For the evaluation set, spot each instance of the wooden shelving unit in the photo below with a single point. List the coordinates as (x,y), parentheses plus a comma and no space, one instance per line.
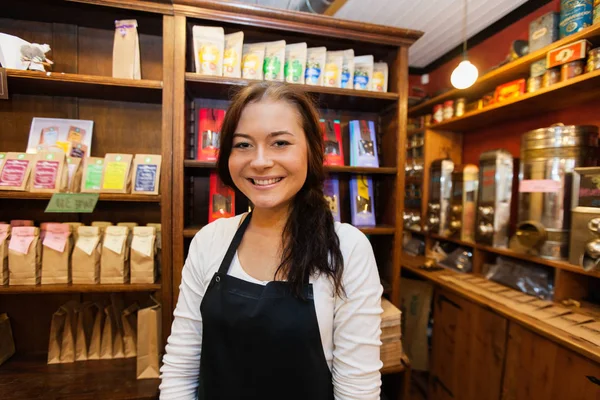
(141,198)
(190,232)
(70,288)
(332,169)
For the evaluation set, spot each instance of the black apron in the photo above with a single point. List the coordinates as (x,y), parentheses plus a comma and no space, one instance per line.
(260,342)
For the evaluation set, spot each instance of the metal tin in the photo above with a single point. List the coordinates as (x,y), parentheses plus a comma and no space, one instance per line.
(448,109)
(463,201)
(440,188)
(584,245)
(548,158)
(575,15)
(543,31)
(571,70)
(537,68)
(593,62)
(551,77)
(438,113)
(460,107)
(534,84)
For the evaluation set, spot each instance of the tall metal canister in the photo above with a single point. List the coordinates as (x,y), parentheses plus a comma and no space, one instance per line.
(440,190)
(548,158)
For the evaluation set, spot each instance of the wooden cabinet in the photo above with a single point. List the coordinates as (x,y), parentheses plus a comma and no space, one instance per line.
(537,368)
(468,350)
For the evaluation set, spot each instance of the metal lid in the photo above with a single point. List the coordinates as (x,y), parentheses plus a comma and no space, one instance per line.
(560,136)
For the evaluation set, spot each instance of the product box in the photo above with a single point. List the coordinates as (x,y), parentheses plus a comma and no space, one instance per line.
(221,199)
(363,144)
(117,173)
(565,54)
(208,132)
(510,90)
(537,68)
(91,179)
(332,135)
(60,134)
(49,174)
(146,173)
(543,31)
(331,190)
(362,205)
(15,171)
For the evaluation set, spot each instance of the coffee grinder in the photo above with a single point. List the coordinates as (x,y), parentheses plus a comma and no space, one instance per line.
(584,246)
(463,202)
(440,189)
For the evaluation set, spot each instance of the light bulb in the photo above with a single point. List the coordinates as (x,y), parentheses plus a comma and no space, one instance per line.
(464,75)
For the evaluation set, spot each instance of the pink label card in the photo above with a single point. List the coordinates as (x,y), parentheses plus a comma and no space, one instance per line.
(45,174)
(21,241)
(56,241)
(539,186)
(13,172)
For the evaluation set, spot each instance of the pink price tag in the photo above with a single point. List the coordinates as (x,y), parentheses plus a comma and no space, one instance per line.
(55,241)
(539,186)
(20,243)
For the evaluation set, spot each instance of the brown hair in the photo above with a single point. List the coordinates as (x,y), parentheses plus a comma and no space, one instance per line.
(310,242)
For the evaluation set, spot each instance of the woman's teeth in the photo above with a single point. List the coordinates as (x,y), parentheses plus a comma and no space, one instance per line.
(265,182)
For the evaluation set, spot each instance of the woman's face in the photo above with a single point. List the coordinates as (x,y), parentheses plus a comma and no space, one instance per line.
(269,158)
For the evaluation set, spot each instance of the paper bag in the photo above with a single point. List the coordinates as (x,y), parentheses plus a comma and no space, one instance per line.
(24,251)
(56,255)
(74,174)
(67,345)
(86,256)
(117,173)
(74,227)
(148,342)
(142,255)
(126,50)
(85,325)
(129,323)
(158,246)
(49,174)
(21,222)
(102,225)
(57,326)
(7,344)
(4,239)
(96,338)
(416,305)
(114,263)
(108,334)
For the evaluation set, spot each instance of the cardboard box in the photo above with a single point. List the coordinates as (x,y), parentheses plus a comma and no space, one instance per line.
(543,31)
(510,90)
(565,54)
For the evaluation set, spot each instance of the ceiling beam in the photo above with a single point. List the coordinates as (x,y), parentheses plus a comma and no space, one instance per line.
(334,7)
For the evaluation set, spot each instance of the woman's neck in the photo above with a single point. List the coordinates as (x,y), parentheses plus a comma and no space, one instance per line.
(270,219)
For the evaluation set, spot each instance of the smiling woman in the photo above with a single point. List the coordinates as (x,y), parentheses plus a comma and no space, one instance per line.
(281,302)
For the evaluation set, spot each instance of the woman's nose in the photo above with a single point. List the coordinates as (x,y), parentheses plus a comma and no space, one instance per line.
(261,159)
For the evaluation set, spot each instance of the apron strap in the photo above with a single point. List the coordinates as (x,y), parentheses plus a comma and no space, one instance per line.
(237,239)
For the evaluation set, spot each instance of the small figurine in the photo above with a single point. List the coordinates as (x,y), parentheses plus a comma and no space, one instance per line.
(34,55)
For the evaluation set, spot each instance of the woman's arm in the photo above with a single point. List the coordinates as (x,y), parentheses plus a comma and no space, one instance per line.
(357,327)
(181,362)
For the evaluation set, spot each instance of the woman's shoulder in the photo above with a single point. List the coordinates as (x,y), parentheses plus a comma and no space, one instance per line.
(218,230)
(351,237)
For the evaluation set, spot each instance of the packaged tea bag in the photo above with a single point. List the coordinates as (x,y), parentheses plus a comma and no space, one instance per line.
(74,174)
(232,57)
(363,72)
(24,256)
(86,256)
(295,63)
(4,239)
(130,226)
(49,174)
(146,173)
(142,255)
(129,323)
(15,171)
(209,43)
(102,225)
(114,263)
(158,246)
(91,179)
(74,227)
(315,65)
(117,173)
(252,61)
(380,77)
(333,69)
(78,150)
(274,60)
(126,50)
(56,254)
(348,69)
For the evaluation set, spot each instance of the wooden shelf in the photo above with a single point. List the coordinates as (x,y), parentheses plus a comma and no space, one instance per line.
(452,240)
(89,86)
(29,377)
(411,132)
(191,231)
(329,168)
(333,98)
(139,198)
(506,73)
(70,288)
(395,369)
(563,94)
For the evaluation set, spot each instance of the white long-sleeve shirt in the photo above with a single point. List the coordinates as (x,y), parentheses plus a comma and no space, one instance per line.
(349,325)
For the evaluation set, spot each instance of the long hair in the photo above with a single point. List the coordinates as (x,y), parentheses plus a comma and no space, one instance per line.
(310,244)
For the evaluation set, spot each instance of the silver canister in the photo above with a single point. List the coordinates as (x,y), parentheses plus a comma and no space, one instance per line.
(548,158)
(496,174)
(440,189)
(584,245)
(463,202)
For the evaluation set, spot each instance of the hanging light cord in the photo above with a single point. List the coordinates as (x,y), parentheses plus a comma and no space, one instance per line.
(465,31)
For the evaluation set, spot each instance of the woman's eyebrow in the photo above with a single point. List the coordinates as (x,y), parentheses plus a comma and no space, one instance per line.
(270,135)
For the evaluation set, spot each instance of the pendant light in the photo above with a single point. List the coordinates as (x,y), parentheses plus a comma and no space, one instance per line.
(465,74)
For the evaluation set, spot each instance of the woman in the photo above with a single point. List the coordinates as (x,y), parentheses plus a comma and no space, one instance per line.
(279,303)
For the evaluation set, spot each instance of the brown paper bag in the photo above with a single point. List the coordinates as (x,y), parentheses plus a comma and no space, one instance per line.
(142,255)
(114,264)
(7,344)
(56,331)
(129,225)
(49,174)
(16,171)
(117,173)
(86,315)
(96,338)
(416,305)
(102,225)
(74,174)
(148,341)
(24,251)
(158,246)
(129,322)
(21,222)
(126,50)
(56,254)
(4,239)
(146,174)
(86,256)
(74,227)
(108,334)
(67,345)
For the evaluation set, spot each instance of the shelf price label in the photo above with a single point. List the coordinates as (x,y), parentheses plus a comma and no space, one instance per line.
(72,203)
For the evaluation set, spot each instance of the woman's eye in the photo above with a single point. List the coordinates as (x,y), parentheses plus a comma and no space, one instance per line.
(241,145)
(281,143)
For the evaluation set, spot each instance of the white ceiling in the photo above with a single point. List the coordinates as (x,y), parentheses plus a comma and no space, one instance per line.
(441,20)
